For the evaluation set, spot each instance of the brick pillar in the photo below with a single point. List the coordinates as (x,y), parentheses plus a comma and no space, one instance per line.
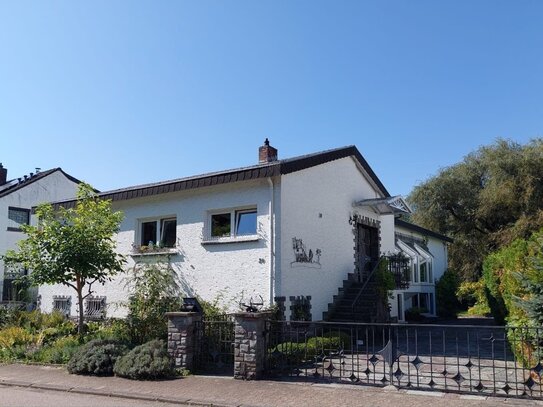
(181,337)
(250,344)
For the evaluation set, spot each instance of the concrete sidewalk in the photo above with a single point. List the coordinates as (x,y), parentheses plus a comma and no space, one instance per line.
(227,392)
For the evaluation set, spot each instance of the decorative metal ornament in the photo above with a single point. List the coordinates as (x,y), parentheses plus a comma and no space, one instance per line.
(252,306)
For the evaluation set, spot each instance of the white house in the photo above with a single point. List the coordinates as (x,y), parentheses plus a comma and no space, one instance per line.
(17,197)
(289,230)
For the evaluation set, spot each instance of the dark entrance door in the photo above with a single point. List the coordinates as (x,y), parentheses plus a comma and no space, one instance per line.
(367,250)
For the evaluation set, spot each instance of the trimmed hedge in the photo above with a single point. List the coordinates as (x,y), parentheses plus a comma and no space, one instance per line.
(295,352)
(96,357)
(149,361)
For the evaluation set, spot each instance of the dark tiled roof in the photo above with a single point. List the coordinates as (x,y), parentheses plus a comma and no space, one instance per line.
(14,184)
(275,168)
(420,229)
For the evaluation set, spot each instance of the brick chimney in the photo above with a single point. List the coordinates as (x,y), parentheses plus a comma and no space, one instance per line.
(266,153)
(3,174)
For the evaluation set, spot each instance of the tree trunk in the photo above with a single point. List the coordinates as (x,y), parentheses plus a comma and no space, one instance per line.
(80,326)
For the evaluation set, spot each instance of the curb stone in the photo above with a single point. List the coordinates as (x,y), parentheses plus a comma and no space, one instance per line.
(96,392)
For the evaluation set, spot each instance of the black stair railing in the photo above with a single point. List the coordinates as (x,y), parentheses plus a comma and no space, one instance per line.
(363,288)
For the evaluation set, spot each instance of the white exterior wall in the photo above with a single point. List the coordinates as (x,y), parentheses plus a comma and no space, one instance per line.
(225,271)
(53,187)
(329,190)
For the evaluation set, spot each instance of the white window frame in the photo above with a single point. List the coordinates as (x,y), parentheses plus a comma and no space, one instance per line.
(159,230)
(414,260)
(233,237)
(428,259)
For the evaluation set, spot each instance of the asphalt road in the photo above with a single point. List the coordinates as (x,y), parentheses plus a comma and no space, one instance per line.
(24,397)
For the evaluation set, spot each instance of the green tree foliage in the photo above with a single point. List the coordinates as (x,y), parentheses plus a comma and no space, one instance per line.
(513,278)
(446,287)
(73,247)
(154,290)
(491,198)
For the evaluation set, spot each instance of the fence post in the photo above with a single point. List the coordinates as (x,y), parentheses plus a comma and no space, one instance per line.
(250,344)
(182,337)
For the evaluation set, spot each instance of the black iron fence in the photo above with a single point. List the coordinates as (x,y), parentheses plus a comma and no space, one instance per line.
(489,360)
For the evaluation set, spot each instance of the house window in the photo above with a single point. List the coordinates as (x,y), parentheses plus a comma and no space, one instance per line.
(221,225)
(423,275)
(17,217)
(14,288)
(62,304)
(246,222)
(234,223)
(95,307)
(161,232)
(415,271)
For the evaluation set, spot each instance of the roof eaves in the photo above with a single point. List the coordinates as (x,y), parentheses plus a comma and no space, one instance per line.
(420,229)
(20,185)
(276,168)
(300,163)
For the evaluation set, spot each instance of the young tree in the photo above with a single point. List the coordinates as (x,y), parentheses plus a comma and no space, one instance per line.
(73,247)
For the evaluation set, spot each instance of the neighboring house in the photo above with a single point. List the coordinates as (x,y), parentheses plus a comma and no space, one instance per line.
(287,231)
(17,197)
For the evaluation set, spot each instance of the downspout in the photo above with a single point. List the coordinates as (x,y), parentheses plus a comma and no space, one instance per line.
(271,210)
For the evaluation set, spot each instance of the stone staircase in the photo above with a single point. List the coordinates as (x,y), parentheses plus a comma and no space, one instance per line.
(367,305)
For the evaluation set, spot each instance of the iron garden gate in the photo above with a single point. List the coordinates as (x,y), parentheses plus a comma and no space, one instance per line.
(214,345)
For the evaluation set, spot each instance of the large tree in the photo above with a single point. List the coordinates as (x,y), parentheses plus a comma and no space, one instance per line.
(73,247)
(492,197)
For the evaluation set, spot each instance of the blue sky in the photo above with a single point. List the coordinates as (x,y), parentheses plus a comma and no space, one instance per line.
(121,93)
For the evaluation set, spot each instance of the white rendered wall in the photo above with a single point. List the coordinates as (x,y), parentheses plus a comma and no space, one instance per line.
(224,271)
(53,187)
(316,204)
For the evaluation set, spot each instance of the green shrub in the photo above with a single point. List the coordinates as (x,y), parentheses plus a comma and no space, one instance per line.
(15,343)
(414,314)
(115,329)
(96,357)
(474,295)
(35,321)
(154,291)
(58,352)
(14,336)
(502,287)
(295,352)
(385,280)
(149,361)
(447,303)
(7,316)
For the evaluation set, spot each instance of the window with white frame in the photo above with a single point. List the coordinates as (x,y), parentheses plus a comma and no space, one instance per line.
(160,232)
(232,223)
(17,217)
(425,267)
(421,261)
(412,254)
